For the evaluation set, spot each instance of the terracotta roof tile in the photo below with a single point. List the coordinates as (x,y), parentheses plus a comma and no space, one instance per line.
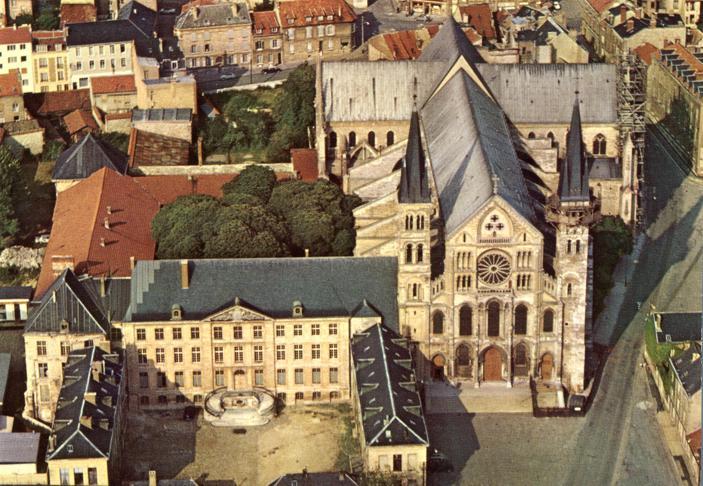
(10,84)
(264,23)
(58,102)
(305,164)
(48,37)
(77,120)
(600,5)
(113,84)
(15,35)
(147,148)
(647,52)
(77,13)
(166,188)
(295,12)
(479,17)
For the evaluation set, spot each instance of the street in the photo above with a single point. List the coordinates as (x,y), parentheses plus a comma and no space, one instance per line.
(619,440)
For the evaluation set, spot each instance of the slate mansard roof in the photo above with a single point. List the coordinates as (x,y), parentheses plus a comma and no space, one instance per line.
(84,429)
(390,405)
(678,327)
(87,156)
(687,366)
(324,286)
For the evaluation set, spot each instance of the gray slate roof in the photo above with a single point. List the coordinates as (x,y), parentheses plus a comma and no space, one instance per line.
(19,448)
(545,93)
(324,286)
(449,44)
(141,17)
(679,327)
(210,15)
(688,368)
(573,177)
(414,185)
(470,146)
(67,300)
(73,439)
(5,361)
(15,293)
(87,156)
(390,405)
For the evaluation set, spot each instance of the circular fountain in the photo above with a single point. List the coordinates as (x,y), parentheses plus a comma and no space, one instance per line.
(239,408)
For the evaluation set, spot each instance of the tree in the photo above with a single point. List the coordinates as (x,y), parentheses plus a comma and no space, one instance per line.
(118,140)
(251,124)
(182,228)
(24,19)
(10,185)
(611,240)
(254,180)
(48,19)
(52,149)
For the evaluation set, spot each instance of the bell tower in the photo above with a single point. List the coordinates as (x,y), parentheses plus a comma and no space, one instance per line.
(571,212)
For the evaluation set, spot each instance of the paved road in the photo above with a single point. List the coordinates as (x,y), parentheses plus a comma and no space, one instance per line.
(211,79)
(619,441)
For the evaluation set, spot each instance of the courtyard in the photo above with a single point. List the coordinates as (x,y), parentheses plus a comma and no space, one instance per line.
(303,437)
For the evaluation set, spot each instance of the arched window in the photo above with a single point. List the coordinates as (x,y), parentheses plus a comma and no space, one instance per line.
(333,140)
(409,222)
(420,222)
(531,135)
(578,246)
(521,319)
(548,321)
(438,323)
(419,254)
(465,320)
(408,253)
(550,136)
(390,138)
(568,290)
(352,139)
(494,319)
(568,246)
(599,145)
(372,138)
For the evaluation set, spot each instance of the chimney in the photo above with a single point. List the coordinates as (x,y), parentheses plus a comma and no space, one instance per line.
(131,263)
(341,477)
(52,443)
(185,277)
(102,242)
(106,223)
(109,210)
(200,150)
(653,20)
(630,25)
(61,262)
(638,13)
(152,478)
(623,13)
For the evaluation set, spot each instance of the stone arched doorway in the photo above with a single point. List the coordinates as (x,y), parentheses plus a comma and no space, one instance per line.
(438,362)
(546,367)
(462,362)
(492,365)
(521,360)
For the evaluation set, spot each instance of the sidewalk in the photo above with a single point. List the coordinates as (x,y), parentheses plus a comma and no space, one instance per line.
(488,398)
(670,438)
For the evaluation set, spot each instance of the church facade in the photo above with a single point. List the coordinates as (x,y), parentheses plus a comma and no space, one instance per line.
(493,247)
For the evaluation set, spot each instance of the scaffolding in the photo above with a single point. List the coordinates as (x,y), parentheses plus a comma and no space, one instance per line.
(632,94)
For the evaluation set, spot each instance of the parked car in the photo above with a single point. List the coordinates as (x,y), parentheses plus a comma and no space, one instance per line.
(439,462)
(42,238)
(271,70)
(228,76)
(167,11)
(191,413)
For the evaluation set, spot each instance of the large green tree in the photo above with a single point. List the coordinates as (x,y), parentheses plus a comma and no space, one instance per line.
(254,180)
(611,240)
(10,188)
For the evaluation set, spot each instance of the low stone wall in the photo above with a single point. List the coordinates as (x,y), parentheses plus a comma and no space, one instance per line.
(283,168)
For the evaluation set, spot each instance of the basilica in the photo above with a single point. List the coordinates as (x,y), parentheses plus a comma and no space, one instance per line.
(483,180)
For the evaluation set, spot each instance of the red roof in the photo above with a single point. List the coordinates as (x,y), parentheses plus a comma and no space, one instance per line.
(403,45)
(305,164)
(694,442)
(264,23)
(113,84)
(647,52)
(600,5)
(77,120)
(10,84)
(58,102)
(48,37)
(300,13)
(479,17)
(15,35)
(77,13)
(101,242)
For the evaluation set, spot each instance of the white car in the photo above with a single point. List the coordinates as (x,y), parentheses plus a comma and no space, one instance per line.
(167,11)
(228,76)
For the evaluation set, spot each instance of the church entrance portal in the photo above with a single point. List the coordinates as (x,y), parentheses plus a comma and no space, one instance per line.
(438,363)
(492,365)
(547,366)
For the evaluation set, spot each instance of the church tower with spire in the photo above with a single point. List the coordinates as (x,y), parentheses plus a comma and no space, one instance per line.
(571,212)
(415,210)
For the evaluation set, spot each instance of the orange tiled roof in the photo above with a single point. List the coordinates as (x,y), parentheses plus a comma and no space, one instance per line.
(79,222)
(10,84)
(264,23)
(77,13)
(15,35)
(196,3)
(305,164)
(647,52)
(113,84)
(48,37)
(58,102)
(479,17)
(77,120)
(403,45)
(146,148)
(600,5)
(295,12)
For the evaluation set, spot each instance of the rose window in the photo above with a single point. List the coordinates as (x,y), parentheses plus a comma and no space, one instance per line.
(493,269)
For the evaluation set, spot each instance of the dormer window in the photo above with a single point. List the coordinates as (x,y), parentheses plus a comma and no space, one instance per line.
(308,19)
(69,448)
(274,29)
(320,18)
(64,325)
(259,30)
(176,312)
(291,21)
(297,309)
(330,17)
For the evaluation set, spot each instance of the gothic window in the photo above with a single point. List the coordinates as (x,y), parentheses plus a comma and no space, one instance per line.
(437,323)
(420,222)
(578,246)
(548,321)
(419,253)
(599,145)
(390,138)
(408,253)
(372,138)
(493,268)
(465,320)
(409,222)
(568,246)
(550,136)
(531,135)
(568,290)
(352,139)
(521,319)
(333,140)
(415,291)
(493,319)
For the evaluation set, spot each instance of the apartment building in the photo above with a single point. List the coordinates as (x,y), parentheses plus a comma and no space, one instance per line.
(283,324)
(267,38)
(11,100)
(16,53)
(50,61)
(311,26)
(215,34)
